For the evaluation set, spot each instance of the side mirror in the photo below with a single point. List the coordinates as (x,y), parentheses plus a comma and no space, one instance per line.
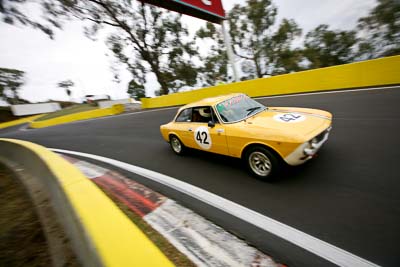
(211,124)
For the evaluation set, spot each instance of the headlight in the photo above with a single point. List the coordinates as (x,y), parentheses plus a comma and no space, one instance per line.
(313,142)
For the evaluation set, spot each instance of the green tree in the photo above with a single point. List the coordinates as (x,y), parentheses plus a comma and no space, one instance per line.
(13,12)
(380,30)
(263,51)
(66,85)
(10,81)
(135,90)
(145,38)
(324,47)
(215,63)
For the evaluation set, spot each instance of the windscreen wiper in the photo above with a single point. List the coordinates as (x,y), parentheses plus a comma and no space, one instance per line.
(251,110)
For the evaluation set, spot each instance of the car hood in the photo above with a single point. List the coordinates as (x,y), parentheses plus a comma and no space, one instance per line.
(304,123)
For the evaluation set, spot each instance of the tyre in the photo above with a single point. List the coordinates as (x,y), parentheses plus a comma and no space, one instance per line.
(262,163)
(176,145)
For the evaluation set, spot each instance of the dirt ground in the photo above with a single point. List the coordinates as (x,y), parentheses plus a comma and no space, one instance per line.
(22,241)
(6,115)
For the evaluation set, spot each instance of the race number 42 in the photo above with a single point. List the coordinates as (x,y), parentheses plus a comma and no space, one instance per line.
(289,117)
(202,137)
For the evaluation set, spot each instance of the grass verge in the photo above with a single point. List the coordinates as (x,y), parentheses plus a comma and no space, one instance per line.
(67,111)
(22,241)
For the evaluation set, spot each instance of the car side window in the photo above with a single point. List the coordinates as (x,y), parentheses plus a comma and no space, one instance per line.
(184,116)
(201,114)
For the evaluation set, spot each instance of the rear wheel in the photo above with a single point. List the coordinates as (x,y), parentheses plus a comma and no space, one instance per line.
(261,163)
(176,145)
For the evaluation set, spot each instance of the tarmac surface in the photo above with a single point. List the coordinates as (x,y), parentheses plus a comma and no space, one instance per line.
(348,196)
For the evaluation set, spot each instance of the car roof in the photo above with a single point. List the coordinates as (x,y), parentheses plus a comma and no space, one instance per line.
(210,101)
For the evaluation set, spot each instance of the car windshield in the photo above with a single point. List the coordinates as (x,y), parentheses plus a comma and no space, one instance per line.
(238,108)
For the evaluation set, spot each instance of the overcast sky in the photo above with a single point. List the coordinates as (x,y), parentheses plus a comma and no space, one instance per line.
(73,56)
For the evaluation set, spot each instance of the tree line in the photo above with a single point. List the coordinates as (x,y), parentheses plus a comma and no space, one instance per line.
(149,40)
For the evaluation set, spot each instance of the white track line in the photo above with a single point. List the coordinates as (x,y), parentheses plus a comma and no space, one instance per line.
(122,115)
(139,112)
(262,97)
(25,128)
(331,92)
(321,248)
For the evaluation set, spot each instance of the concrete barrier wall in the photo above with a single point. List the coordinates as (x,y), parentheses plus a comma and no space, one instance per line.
(91,114)
(101,235)
(110,103)
(31,109)
(383,71)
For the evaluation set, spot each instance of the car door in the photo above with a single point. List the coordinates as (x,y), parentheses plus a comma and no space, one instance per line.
(208,137)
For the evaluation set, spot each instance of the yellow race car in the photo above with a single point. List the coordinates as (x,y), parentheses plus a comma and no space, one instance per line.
(238,126)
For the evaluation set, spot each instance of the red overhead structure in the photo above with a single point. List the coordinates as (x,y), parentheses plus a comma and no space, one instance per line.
(210,10)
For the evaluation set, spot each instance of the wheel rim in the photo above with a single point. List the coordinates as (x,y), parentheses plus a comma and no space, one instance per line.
(260,163)
(176,145)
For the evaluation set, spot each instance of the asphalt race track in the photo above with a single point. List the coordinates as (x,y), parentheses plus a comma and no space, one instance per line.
(348,196)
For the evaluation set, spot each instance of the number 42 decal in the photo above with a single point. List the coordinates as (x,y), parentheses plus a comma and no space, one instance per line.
(289,117)
(202,137)
(199,136)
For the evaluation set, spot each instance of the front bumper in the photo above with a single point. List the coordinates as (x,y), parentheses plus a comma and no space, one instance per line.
(307,150)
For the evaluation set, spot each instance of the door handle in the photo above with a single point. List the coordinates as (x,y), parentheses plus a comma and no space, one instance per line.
(220,130)
(190,129)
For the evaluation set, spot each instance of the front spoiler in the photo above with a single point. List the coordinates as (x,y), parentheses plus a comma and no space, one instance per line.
(306,151)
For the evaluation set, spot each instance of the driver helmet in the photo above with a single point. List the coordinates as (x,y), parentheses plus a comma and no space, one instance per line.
(205,112)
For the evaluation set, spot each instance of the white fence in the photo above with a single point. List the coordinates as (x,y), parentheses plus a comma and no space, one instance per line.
(31,109)
(109,103)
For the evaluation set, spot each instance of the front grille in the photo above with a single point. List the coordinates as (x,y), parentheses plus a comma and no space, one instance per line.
(321,136)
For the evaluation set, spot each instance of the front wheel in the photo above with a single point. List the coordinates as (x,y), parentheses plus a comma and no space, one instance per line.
(261,163)
(176,145)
